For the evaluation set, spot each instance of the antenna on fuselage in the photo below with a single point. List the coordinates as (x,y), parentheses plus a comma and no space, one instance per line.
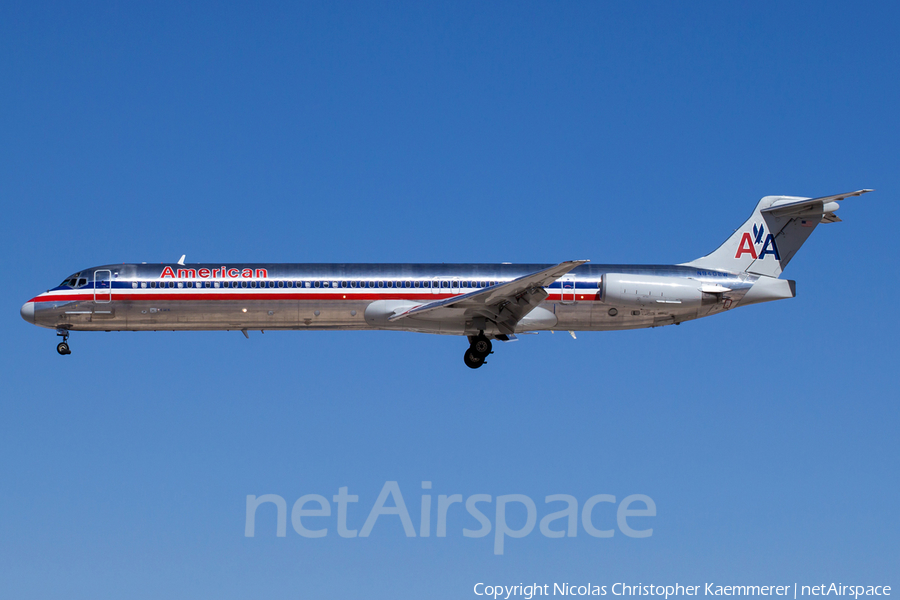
(181,260)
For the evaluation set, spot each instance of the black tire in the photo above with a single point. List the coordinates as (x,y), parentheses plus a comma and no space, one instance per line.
(63,348)
(472,360)
(481,346)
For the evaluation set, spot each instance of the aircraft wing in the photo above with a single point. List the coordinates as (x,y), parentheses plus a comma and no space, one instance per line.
(505,303)
(800,206)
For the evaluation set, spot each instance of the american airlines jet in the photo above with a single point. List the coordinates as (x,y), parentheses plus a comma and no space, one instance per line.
(483,302)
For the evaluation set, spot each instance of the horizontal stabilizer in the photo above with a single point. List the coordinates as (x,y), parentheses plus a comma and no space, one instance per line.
(784,209)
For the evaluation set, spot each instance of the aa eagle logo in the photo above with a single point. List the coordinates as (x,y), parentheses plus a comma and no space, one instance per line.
(749,244)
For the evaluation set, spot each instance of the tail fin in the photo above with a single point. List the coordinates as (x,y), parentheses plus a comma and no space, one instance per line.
(770,238)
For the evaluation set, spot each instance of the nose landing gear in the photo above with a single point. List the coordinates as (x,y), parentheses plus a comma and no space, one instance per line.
(478,351)
(63,346)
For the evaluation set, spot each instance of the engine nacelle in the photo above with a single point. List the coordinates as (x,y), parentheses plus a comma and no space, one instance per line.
(654,291)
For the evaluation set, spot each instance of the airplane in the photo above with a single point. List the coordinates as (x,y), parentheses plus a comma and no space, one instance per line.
(484,302)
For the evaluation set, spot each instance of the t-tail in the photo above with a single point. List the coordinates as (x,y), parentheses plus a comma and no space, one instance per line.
(770,238)
(765,244)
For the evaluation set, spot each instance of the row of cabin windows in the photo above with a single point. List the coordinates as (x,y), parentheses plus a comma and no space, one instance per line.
(312,284)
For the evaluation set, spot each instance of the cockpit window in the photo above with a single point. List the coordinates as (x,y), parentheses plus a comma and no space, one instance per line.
(74,281)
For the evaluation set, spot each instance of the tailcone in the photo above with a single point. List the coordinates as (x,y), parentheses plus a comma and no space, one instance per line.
(766,289)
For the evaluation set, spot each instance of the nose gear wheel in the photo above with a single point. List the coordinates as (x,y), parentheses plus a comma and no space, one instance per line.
(63,346)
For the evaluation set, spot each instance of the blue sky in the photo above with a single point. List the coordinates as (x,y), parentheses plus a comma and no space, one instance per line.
(536,132)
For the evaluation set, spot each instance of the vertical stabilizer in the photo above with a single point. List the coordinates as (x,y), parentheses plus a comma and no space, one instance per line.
(770,238)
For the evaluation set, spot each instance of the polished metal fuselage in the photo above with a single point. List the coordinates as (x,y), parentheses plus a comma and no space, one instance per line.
(129,297)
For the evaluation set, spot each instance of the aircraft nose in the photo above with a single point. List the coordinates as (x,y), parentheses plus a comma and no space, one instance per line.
(27,312)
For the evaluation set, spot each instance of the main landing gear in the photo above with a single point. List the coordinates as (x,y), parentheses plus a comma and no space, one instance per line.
(63,346)
(479,349)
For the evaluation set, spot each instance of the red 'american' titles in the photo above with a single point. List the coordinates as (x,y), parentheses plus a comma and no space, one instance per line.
(221,272)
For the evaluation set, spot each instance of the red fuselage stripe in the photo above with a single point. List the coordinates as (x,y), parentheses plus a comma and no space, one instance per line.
(192,296)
